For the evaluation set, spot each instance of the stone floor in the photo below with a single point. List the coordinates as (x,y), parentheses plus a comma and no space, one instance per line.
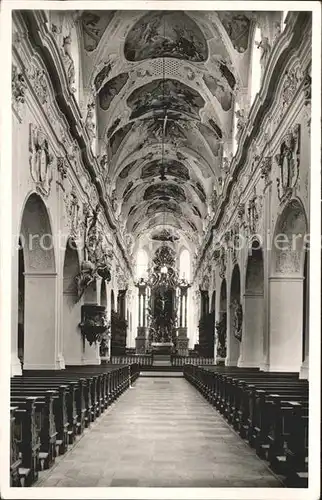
(160,433)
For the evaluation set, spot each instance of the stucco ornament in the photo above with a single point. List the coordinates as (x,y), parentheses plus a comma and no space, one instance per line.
(18,85)
(40,160)
(241,122)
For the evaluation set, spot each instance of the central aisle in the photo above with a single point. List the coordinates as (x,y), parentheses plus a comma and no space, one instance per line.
(160,433)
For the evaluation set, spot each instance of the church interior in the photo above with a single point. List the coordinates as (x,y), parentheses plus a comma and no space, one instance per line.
(160,284)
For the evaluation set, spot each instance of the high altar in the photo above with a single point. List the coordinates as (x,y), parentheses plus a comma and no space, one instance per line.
(163,308)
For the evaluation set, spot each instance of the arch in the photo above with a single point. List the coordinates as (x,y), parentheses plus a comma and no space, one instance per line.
(252,340)
(235,331)
(289,241)
(103,300)
(36,236)
(221,326)
(39,285)
(213,301)
(235,283)
(72,340)
(287,289)
(112,301)
(142,262)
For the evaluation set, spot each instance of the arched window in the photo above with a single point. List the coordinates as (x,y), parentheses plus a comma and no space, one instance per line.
(185,265)
(142,263)
(255,80)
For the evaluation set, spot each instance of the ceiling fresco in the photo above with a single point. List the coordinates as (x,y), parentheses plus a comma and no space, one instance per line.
(102,76)
(162,95)
(165,235)
(117,138)
(126,170)
(237,26)
(94,24)
(218,90)
(164,207)
(166,34)
(111,89)
(162,190)
(172,168)
(166,84)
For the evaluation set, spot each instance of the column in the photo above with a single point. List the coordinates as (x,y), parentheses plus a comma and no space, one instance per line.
(182,339)
(15,362)
(286,323)
(251,346)
(141,341)
(41,327)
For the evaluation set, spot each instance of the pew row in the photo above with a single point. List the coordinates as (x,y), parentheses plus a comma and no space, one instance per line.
(50,408)
(268,409)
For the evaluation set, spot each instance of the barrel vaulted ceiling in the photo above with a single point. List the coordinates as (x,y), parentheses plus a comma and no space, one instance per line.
(165,84)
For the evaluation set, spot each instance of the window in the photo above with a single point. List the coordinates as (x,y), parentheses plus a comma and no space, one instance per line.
(184,264)
(142,263)
(255,80)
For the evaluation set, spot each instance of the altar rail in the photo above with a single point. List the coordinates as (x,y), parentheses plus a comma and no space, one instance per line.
(147,360)
(140,359)
(196,361)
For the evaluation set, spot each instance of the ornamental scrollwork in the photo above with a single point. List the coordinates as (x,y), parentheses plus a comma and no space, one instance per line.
(18,85)
(39,84)
(97,259)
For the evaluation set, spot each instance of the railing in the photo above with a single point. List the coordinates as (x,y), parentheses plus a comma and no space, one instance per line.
(181,361)
(140,359)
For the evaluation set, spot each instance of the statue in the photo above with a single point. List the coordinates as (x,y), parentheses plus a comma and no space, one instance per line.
(265,48)
(241,121)
(90,121)
(238,319)
(221,328)
(68,62)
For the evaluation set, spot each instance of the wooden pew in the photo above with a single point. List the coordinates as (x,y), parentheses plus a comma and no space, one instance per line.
(64,408)
(15,461)
(28,441)
(44,422)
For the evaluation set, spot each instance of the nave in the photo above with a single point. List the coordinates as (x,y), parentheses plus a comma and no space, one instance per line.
(160,433)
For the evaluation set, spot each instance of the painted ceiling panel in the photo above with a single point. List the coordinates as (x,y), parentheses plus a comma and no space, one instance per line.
(161,95)
(161,190)
(111,89)
(237,26)
(117,138)
(218,90)
(165,235)
(166,34)
(94,23)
